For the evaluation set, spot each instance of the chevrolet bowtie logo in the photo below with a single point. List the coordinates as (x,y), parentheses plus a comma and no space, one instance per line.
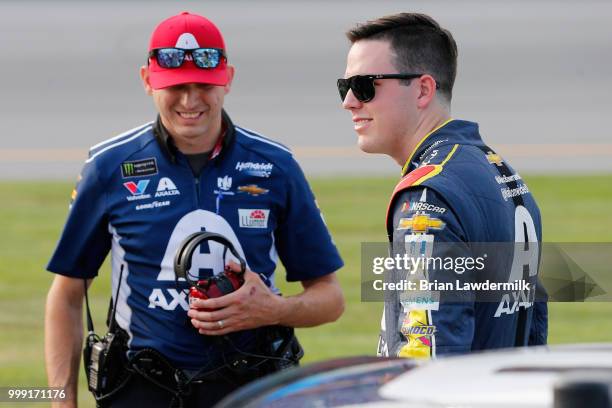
(494,159)
(420,223)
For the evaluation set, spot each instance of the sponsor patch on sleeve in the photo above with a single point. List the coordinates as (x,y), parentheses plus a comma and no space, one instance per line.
(420,223)
(419,334)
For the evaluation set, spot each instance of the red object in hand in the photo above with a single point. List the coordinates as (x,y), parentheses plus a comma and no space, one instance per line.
(220,285)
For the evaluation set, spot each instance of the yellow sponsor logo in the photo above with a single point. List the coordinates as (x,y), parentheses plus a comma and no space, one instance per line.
(420,223)
(418,334)
(494,159)
(252,189)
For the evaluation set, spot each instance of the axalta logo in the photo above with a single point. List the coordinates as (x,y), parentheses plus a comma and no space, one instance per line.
(422,206)
(254,218)
(255,169)
(514,301)
(166,187)
(157,298)
(187,41)
(224,183)
(137,190)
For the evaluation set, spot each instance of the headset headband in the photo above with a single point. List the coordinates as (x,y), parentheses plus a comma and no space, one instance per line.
(182,259)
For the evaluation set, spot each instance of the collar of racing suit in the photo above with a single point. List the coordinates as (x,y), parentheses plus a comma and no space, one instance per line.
(164,138)
(423,145)
(453,131)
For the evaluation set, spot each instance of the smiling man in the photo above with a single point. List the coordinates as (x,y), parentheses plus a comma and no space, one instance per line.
(141,194)
(455,192)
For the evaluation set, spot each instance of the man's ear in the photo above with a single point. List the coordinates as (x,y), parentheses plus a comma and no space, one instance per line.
(231,70)
(427,91)
(144,76)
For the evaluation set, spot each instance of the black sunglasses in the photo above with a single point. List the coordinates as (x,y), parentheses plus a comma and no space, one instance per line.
(363,85)
(205,58)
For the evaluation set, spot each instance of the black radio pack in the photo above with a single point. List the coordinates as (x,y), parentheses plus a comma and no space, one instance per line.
(104,358)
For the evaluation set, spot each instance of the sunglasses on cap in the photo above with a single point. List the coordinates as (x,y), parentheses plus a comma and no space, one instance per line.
(205,58)
(363,85)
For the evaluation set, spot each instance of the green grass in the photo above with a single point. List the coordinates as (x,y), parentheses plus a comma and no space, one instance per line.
(33,214)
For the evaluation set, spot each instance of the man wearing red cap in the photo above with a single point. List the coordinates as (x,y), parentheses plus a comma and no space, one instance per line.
(140,195)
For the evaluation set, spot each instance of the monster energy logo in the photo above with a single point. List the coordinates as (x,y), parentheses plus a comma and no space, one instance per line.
(144,167)
(128,169)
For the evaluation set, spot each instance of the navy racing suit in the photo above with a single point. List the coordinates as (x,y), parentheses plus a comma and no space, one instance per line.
(456,192)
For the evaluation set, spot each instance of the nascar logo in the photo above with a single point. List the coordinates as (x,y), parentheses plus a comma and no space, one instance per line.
(422,206)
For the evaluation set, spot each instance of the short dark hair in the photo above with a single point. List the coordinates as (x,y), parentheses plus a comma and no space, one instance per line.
(419,43)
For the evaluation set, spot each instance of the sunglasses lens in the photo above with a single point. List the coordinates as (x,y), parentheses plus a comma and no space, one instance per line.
(343,88)
(363,88)
(170,57)
(206,57)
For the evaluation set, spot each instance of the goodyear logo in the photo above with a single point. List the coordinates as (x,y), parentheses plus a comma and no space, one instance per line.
(138,168)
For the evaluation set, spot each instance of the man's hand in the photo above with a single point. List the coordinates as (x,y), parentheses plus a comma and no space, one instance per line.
(252,305)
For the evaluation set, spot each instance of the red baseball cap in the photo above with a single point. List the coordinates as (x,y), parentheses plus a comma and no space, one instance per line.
(187,31)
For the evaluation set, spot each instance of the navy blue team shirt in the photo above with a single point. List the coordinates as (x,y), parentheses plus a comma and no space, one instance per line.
(138,198)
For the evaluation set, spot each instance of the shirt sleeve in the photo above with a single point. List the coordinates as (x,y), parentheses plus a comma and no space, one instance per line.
(304,244)
(423,324)
(85,240)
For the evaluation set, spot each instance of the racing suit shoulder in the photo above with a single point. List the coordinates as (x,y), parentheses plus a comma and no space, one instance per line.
(269,150)
(85,240)
(111,153)
(467,176)
(437,173)
(301,228)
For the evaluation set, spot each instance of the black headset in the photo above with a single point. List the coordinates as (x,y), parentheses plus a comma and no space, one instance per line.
(182,259)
